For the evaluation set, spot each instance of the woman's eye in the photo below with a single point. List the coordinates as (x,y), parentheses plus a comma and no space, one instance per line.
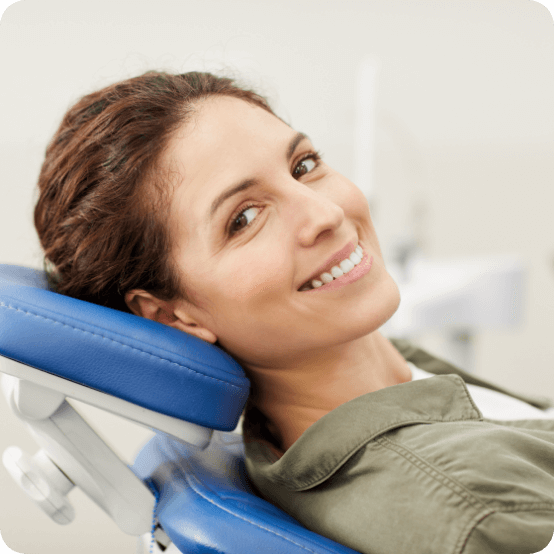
(243,219)
(305,166)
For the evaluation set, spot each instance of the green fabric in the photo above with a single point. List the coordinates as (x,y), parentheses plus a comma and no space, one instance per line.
(414,468)
(432,364)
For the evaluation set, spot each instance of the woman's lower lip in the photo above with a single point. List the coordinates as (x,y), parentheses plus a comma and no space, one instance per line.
(353,275)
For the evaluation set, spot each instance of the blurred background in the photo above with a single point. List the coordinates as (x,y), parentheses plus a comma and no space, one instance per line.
(441,111)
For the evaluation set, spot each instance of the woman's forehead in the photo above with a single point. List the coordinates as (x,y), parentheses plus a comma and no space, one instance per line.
(226,125)
(227,142)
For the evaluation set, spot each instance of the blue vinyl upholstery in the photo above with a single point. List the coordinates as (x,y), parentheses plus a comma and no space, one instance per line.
(138,360)
(206,504)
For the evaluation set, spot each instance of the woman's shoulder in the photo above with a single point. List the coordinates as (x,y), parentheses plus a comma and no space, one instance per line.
(419,454)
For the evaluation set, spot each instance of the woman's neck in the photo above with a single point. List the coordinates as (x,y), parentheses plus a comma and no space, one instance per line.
(293,398)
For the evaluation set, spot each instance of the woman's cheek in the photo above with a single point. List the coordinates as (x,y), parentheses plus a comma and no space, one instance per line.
(355,202)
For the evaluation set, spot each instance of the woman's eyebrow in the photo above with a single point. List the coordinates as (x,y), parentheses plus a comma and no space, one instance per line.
(246,184)
(296,140)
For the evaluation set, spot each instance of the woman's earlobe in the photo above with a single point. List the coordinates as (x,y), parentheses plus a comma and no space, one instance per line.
(186,323)
(195,330)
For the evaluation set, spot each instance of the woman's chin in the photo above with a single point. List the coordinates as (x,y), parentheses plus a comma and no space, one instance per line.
(381,305)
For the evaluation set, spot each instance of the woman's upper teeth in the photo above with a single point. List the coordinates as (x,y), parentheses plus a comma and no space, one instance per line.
(337,270)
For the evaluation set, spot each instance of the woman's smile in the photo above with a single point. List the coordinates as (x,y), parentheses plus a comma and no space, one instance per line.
(334,272)
(353,275)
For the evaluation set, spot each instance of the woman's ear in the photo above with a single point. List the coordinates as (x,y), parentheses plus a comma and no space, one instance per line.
(144,304)
(168,312)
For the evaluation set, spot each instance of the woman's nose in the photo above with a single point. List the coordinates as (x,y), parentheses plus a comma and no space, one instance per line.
(317,215)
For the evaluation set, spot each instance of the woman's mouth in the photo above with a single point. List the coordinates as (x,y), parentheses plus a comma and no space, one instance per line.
(337,271)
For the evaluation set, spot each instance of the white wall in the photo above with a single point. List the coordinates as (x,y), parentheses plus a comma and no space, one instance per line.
(465,129)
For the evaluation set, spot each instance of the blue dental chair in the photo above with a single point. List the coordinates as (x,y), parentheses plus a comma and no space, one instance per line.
(187,490)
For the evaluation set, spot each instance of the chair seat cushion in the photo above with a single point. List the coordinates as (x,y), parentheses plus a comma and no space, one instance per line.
(138,360)
(207,505)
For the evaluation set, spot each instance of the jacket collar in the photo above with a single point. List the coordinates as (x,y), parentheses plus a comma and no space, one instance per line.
(432,364)
(329,442)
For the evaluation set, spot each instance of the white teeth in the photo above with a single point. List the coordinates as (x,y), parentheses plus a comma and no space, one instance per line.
(346,266)
(355,259)
(336,271)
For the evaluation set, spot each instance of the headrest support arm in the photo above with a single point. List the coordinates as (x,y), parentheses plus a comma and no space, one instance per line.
(87,461)
(191,433)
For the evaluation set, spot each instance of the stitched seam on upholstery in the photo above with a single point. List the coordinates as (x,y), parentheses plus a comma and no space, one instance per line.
(192,481)
(2,305)
(433,472)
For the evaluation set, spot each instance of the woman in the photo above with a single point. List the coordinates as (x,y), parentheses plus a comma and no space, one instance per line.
(185,200)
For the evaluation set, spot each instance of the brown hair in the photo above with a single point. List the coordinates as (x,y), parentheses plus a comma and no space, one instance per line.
(104,196)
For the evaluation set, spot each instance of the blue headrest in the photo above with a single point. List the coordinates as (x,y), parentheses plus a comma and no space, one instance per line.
(144,362)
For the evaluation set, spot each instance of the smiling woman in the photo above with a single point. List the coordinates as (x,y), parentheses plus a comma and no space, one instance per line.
(262,243)
(184,199)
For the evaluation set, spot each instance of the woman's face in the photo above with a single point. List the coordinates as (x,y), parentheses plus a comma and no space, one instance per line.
(257,215)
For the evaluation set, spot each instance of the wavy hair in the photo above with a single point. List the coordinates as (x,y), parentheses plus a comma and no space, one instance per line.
(104,193)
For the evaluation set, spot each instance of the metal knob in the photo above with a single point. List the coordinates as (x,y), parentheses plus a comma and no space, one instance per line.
(42,481)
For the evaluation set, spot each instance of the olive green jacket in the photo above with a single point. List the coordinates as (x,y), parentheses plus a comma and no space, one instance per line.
(414,468)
